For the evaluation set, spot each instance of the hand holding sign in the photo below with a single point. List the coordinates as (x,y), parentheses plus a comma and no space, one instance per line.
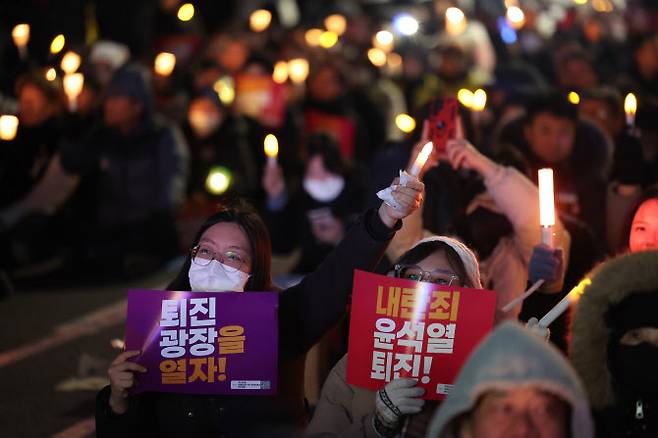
(122,378)
(400,397)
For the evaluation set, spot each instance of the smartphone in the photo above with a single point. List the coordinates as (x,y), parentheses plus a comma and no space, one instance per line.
(443,121)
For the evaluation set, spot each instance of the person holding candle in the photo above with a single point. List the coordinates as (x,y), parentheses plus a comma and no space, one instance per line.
(614,344)
(349,411)
(238,244)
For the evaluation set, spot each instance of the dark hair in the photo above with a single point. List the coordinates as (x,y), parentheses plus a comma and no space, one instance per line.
(425,249)
(241,213)
(554,103)
(325,146)
(650,193)
(51,90)
(609,96)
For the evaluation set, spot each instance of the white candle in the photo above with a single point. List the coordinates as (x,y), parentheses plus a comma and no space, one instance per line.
(164,63)
(546,206)
(271,145)
(21,35)
(572,297)
(421,159)
(72,88)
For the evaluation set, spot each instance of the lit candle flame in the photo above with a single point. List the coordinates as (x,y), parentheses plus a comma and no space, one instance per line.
(328,39)
(465,97)
(70,62)
(336,23)
(383,40)
(630,108)
(73,87)
(405,123)
(21,35)
(312,37)
(377,57)
(271,145)
(479,100)
(455,21)
(298,70)
(57,44)
(260,20)
(8,127)
(165,63)
(280,73)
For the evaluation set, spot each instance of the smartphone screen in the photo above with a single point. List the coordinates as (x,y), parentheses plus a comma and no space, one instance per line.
(443,121)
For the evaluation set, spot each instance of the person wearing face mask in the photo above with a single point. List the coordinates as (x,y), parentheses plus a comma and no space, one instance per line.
(232,251)
(217,137)
(614,345)
(316,216)
(349,411)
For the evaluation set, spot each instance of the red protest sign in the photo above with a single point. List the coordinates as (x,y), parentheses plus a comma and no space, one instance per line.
(403,328)
(259,97)
(341,129)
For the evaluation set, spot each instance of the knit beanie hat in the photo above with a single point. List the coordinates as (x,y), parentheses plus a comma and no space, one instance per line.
(465,254)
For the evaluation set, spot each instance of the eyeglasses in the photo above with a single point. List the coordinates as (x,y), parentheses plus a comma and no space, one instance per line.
(202,255)
(438,276)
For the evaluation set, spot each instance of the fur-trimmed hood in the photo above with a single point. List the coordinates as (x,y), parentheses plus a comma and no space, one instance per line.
(510,358)
(611,283)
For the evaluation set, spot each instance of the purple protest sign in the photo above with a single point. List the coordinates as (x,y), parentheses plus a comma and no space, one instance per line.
(203,342)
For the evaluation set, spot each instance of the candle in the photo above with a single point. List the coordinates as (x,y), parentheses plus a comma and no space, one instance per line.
(298,70)
(383,40)
(8,127)
(630,107)
(421,159)
(70,62)
(260,20)
(455,21)
(21,35)
(572,297)
(336,23)
(271,149)
(546,206)
(165,63)
(280,73)
(72,88)
(405,123)
(377,57)
(312,37)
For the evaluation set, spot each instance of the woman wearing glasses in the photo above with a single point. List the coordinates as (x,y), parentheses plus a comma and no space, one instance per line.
(232,252)
(348,411)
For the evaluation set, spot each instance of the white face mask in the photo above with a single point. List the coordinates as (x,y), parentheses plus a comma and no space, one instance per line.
(326,189)
(216,277)
(203,123)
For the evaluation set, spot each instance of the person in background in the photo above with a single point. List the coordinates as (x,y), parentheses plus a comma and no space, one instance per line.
(514,385)
(349,411)
(232,252)
(614,344)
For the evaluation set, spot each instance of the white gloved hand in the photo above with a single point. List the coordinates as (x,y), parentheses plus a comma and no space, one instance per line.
(400,397)
(535,328)
(386,194)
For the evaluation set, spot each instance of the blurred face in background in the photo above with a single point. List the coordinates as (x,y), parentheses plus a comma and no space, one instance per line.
(34,106)
(644,229)
(121,111)
(204,117)
(325,85)
(599,113)
(550,137)
(517,413)
(577,74)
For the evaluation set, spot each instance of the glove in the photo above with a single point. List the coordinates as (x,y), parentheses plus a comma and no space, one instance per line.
(545,264)
(535,328)
(400,397)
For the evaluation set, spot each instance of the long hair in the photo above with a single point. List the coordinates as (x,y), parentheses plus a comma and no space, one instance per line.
(241,213)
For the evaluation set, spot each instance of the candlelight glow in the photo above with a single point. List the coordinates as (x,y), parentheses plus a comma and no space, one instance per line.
(465,97)
(280,73)
(336,23)
(394,62)
(328,39)
(580,2)
(578,290)
(73,85)
(225,89)
(383,40)
(218,180)
(546,198)
(405,123)
(51,74)
(164,63)
(630,104)
(21,34)
(479,100)
(312,37)
(573,97)
(70,62)
(298,70)
(271,146)
(8,127)
(260,20)
(455,21)
(58,44)
(377,57)
(421,159)
(515,17)
(186,12)
(405,24)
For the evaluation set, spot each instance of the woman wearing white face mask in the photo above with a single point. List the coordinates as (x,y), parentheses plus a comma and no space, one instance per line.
(316,216)
(232,252)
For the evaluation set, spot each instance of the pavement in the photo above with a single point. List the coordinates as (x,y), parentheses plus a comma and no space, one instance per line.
(55,347)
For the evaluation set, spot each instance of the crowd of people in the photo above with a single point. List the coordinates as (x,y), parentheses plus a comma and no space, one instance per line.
(145,164)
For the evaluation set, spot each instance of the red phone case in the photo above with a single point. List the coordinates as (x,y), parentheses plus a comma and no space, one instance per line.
(443,121)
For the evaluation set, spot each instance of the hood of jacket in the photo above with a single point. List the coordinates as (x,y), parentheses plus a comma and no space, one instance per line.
(511,357)
(611,283)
